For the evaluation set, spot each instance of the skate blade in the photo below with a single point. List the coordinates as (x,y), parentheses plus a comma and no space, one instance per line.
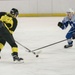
(18,62)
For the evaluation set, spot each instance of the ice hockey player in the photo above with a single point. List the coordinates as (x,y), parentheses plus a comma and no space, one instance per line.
(8,24)
(68,20)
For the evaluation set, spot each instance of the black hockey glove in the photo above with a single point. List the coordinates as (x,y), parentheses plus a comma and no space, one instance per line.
(60,24)
(73,36)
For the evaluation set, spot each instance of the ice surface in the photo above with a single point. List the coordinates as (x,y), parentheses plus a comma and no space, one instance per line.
(35,32)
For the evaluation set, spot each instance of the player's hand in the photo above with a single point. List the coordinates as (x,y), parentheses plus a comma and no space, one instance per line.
(60,24)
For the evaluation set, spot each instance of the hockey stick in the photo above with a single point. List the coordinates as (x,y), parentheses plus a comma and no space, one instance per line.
(33,51)
(49,45)
(27,48)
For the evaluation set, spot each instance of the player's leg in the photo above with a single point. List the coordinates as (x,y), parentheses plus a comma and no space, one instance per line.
(14,48)
(73,35)
(2,43)
(9,38)
(69,39)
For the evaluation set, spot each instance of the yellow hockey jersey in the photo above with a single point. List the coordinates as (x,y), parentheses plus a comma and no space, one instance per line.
(9,21)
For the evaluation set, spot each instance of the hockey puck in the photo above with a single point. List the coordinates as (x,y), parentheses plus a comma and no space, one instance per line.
(37,55)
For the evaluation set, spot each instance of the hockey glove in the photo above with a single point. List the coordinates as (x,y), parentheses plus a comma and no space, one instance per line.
(73,36)
(60,24)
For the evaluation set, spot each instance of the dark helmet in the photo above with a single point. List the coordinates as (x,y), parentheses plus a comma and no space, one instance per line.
(14,11)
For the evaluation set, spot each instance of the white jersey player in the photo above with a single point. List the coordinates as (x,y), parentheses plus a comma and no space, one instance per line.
(68,20)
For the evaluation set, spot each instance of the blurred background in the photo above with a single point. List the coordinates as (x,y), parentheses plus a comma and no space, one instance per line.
(30,8)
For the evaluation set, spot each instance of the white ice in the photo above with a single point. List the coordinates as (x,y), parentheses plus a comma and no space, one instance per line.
(35,32)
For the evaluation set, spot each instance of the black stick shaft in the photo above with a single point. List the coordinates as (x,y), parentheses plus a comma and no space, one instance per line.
(48,45)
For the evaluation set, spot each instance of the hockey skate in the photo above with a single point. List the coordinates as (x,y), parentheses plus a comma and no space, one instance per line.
(16,58)
(69,45)
(0,54)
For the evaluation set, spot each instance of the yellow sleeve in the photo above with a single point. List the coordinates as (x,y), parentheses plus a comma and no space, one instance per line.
(7,20)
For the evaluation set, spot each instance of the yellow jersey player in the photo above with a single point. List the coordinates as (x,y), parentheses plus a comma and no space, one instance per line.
(8,24)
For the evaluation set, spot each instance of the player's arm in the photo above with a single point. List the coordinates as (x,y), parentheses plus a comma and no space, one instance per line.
(63,24)
(2,13)
(13,27)
(9,22)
